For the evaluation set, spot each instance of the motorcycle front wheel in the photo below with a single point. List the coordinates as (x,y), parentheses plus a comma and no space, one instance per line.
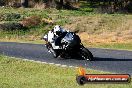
(53,52)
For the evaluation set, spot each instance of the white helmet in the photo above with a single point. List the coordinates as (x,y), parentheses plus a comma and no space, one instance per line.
(57,30)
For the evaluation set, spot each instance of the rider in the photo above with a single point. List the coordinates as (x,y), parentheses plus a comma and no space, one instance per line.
(55,35)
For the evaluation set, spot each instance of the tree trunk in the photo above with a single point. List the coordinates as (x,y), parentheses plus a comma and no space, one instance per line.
(24,3)
(52,3)
(61,3)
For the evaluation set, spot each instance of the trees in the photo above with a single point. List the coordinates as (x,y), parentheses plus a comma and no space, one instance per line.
(61,3)
(24,3)
(107,6)
(112,6)
(49,3)
(2,2)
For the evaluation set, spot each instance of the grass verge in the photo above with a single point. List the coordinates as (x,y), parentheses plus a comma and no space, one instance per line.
(16,73)
(115,46)
(97,30)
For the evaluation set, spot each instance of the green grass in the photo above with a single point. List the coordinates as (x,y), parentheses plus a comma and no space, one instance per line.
(16,73)
(120,46)
(62,17)
(83,20)
(116,46)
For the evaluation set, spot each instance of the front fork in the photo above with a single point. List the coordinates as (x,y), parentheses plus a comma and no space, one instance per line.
(48,45)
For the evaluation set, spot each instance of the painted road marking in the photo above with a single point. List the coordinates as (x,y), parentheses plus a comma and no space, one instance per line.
(63,65)
(43,62)
(51,63)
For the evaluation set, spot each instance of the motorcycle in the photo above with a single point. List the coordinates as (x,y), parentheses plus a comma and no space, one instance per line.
(70,46)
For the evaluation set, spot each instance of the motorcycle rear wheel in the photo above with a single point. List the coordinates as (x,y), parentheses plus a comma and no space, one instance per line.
(86,54)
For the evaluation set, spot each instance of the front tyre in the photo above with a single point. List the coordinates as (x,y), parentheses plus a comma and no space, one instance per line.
(51,50)
(54,52)
(86,54)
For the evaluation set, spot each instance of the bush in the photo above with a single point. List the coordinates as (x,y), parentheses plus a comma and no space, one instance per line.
(9,16)
(2,2)
(11,26)
(31,21)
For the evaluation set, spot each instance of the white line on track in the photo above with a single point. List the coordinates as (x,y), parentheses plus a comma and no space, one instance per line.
(64,66)
(43,62)
(51,63)
(58,64)
(71,66)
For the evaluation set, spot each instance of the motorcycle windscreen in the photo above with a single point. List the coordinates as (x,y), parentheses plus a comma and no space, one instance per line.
(70,39)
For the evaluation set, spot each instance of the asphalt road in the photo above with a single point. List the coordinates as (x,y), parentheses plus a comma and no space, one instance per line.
(117,61)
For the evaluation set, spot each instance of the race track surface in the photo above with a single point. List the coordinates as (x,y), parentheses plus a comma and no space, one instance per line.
(117,61)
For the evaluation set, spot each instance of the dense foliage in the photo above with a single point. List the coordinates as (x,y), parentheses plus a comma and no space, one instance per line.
(106,6)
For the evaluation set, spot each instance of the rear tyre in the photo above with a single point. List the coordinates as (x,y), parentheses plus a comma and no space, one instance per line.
(86,54)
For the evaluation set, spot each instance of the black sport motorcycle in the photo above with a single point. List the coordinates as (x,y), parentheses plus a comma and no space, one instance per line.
(70,47)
